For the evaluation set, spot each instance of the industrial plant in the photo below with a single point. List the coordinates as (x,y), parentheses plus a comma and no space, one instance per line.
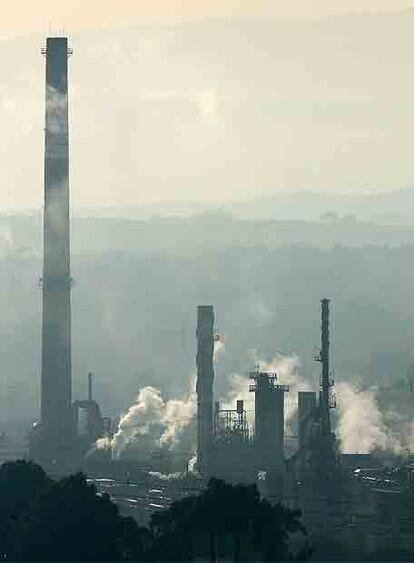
(343,495)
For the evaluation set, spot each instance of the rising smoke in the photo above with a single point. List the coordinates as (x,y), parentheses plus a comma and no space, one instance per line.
(364,427)
(288,373)
(152,423)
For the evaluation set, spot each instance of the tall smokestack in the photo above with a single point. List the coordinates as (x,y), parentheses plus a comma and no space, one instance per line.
(56,411)
(325,376)
(205,378)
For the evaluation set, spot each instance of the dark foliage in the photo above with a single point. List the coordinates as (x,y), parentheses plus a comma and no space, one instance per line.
(68,520)
(227,521)
(65,520)
(391,554)
(21,482)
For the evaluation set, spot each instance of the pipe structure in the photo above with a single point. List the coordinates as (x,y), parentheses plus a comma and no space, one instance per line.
(325,375)
(57,421)
(204,387)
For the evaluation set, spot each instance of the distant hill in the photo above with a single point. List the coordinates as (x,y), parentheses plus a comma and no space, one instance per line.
(383,207)
(211,230)
(137,285)
(394,207)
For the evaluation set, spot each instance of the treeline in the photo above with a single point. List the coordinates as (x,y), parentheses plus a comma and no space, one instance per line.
(42,519)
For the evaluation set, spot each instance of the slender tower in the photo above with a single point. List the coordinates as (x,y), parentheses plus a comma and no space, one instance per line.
(328,449)
(205,378)
(326,382)
(57,425)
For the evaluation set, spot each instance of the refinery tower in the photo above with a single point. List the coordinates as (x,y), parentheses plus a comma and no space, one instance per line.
(54,436)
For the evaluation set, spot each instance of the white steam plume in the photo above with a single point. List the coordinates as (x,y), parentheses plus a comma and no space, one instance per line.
(287,369)
(219,348)
(192,464)
(152,422)
(238,389)
(362,427)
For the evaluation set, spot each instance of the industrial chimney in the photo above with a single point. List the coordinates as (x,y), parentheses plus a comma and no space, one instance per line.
(328,447)
(205,378)
(326,397)
(56,425)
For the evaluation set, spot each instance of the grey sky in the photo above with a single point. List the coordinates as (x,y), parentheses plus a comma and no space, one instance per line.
(215,108)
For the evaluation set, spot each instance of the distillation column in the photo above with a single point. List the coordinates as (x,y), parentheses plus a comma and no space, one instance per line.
(269,429)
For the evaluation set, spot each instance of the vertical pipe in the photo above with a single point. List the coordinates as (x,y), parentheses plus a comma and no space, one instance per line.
(57,422)
(205,378)
(326,424)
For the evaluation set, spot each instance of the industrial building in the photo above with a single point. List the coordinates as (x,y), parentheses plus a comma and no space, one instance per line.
(366,510)
(236,452)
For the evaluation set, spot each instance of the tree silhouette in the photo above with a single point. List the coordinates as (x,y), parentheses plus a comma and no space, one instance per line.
(134,542)
(174,530)
(272,526)
(224,520)
(20,483)
(227,511)
(71,522)
(65,520)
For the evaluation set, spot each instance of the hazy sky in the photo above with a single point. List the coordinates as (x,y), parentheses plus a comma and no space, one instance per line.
(28,15)
(231,105)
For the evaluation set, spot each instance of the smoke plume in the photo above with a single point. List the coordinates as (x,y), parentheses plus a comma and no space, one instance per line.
(219,348)
(287,369)
(152,423)
(362,426)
